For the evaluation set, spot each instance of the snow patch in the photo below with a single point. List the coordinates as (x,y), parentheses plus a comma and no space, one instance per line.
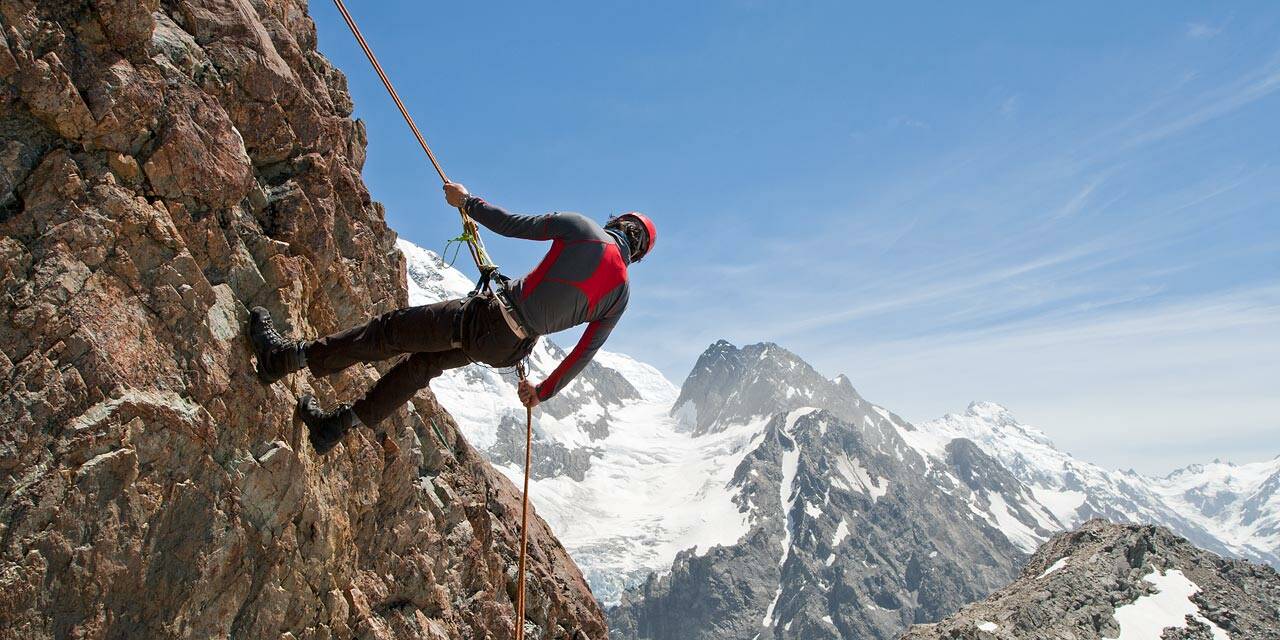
(812,511)
(842,532)
(1054,567)
(787,497)
(1018,533)
(1146,617)
(854,477)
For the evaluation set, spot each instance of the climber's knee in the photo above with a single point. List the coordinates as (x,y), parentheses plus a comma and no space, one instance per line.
(397,387)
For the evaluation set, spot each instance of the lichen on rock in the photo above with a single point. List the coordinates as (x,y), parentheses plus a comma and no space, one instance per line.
(165,165)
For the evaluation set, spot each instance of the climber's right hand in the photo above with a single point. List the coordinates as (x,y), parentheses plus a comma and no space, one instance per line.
(455,194)
(528,394)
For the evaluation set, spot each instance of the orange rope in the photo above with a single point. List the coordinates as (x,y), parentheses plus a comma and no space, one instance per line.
(524,512)
(483,263)
(475,245)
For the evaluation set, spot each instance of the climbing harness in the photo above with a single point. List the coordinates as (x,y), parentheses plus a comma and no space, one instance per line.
(488,273)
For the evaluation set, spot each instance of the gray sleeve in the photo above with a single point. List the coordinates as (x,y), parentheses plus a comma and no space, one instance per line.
(551,226)
(592,339)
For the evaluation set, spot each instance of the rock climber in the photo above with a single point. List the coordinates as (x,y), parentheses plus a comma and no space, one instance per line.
(582,279)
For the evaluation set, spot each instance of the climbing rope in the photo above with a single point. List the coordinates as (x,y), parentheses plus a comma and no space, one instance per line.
(476,245)
(471,237)
(524,512)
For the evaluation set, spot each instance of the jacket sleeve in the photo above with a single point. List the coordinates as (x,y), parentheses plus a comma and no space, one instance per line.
(592,339)
(551,226)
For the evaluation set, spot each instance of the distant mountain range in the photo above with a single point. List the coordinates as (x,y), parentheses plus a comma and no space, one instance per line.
(763,499)
(1230,509)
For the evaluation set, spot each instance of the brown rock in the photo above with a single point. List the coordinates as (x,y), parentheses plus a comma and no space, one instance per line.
(51,97)
(127,23)
(201,158)
(166,166)
(125,167)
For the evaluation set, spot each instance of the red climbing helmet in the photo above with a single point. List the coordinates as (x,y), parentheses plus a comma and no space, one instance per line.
(649,229)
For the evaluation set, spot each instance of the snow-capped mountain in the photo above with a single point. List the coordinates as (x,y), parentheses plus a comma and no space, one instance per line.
(1237,504)
(852,532)
(729,386)
(764,497)
(1229,509)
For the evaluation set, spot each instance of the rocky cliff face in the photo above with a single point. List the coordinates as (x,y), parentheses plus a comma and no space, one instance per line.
(164,166)
(1128,581)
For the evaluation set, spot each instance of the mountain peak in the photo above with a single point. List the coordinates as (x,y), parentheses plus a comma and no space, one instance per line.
(989,410)
(730,384)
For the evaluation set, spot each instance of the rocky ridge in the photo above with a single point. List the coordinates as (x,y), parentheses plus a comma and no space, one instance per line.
(164,166)
(1108,580)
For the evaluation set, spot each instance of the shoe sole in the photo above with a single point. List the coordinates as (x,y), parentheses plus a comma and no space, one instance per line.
(320,446)
(260,353)
(322,449)
(265,377)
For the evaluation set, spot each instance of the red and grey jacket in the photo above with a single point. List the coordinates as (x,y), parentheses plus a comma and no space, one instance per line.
(582,279)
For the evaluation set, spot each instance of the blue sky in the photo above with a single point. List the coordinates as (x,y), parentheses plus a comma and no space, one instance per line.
(1072,209)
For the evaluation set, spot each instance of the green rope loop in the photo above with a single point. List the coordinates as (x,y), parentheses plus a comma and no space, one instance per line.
(457,243)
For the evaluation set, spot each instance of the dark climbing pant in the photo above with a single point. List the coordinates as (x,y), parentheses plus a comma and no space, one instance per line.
(430,335)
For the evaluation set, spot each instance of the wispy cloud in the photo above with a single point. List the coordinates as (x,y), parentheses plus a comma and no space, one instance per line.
(1011,105)
(1202,30)
(1216,313)
(1104,385)
(907,122)
(1079,200)
(1258,84)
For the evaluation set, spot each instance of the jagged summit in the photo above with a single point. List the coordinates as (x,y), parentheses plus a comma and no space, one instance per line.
(732,385)
(989,410)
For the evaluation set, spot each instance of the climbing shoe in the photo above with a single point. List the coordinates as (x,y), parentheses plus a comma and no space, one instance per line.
(326,427)
(277,356)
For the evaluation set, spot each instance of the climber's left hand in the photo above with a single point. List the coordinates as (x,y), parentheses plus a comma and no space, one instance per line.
(455,194)
(528,394)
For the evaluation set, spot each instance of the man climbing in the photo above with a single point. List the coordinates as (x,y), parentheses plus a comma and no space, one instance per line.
(582,279)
